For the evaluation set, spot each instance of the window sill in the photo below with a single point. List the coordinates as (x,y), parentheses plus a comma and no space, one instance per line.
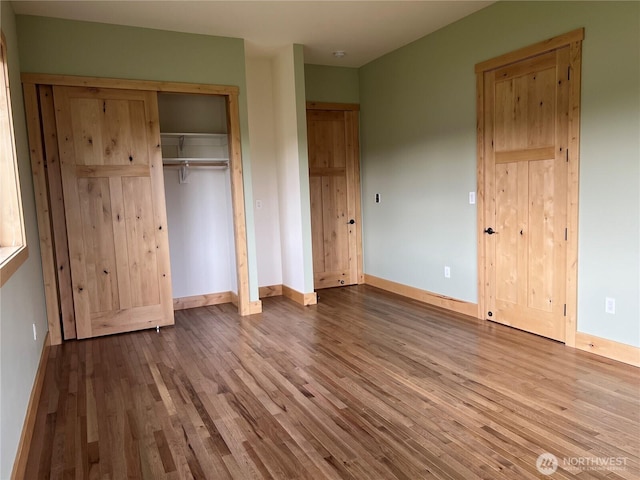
(10,260)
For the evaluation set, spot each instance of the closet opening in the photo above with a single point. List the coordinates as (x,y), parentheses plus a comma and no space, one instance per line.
(195,156)
(105,154)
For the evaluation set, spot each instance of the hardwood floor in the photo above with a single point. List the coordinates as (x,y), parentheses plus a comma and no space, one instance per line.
(364,385)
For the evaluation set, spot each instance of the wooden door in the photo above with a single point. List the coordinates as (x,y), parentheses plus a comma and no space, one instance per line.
(334,183)
(526,140)
(112,180)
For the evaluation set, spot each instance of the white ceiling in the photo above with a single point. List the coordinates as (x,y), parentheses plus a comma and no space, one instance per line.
(366,30)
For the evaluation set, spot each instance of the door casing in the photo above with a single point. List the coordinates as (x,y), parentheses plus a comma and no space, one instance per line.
(572,39)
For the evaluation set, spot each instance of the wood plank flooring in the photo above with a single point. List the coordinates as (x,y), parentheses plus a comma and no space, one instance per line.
(365,385)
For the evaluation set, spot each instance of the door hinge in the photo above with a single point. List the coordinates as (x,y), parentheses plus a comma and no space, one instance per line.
(565,309)
(566,233)
(569,72)
(567,154)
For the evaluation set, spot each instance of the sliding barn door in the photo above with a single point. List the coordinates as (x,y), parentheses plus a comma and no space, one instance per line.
(111,165)
(526,163)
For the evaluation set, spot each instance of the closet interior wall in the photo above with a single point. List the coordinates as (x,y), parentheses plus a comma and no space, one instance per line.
(199,205)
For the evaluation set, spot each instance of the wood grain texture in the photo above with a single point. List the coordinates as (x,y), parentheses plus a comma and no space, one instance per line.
(12,261)
(453,304)
(193,301)
(524,117)
(90,151)
(12,232)
(349,107)
(367,385)
(532,50)
(270,291)
(244,303)
(299,297)
(573,174)
(45,235)
(570,133)
(334,186)
(150,85)
(608,348)
(115,211)
(56,202)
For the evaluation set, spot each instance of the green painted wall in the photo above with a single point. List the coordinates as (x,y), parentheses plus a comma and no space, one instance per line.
(49,45)
(331,84)
(419,152)
(22,297)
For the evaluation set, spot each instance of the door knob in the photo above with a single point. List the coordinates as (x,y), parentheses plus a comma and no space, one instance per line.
(490,231)
(351,222)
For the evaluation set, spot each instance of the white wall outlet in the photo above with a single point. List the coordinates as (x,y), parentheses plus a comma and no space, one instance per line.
(447,272)
(35,332)
(610,305)
(376,198)
(472,198)
(258,204)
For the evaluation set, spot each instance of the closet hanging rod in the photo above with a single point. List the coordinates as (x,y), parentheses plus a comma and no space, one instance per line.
(195,163)
(192,160)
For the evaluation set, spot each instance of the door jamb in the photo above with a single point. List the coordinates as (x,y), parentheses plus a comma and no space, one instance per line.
(30,81)
(572,39)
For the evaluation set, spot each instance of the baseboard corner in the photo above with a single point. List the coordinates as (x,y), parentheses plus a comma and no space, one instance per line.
(437,300)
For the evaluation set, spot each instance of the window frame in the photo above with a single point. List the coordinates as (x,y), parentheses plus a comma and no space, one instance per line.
(13,242)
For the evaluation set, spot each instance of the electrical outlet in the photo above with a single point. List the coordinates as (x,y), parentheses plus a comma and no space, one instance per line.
(258,204)
(610,305)
(35,332)
(377,198)
(447,272)
(472,198)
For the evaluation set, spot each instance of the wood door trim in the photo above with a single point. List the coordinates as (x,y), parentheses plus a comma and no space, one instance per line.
(32,112)
(30,83)
(126,84)
(345,107)
(569,38)
(574,40)
(55,197)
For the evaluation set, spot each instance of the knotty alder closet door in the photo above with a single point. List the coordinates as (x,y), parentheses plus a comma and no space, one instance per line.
(112,180)
(526,162)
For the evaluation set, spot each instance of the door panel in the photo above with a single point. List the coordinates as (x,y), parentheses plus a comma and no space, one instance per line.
(115,209)
(334,190)
(526,112)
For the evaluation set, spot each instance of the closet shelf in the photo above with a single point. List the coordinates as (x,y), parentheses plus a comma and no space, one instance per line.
(192,134)
(215,138)
(182,148)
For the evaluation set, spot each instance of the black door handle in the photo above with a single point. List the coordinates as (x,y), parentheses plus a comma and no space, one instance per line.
(490,231)
(351,222)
